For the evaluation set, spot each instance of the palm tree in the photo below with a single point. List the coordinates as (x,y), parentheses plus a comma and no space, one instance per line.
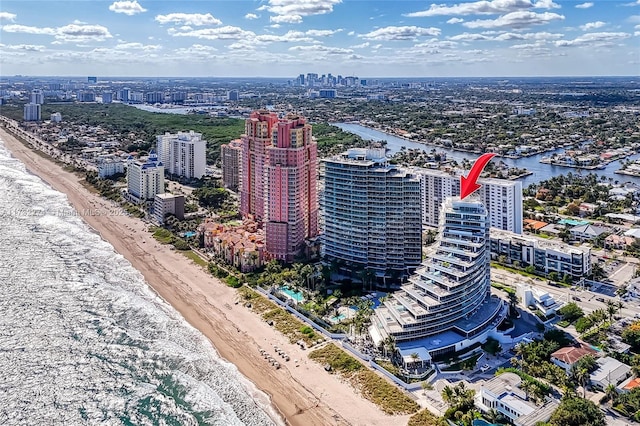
(611,393)
(494,416)
(448,395)
(612,309)
(582,375)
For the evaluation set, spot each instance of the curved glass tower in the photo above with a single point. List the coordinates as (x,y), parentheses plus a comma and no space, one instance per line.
(450,293)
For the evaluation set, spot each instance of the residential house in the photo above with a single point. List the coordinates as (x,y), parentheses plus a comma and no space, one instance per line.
(619,242)
(502,393)
(587,232)
(628,385)
(610,371)
(568,356)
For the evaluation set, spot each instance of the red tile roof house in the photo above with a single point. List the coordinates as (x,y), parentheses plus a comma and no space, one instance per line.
(566,357)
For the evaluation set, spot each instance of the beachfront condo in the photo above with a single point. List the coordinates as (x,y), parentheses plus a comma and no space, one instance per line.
(278,184)
(446,305)
(370,214)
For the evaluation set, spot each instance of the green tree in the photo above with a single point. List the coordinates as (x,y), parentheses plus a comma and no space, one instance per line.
(577,412)
(571,311)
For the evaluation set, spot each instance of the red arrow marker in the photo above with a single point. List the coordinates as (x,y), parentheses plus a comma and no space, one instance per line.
(468,184)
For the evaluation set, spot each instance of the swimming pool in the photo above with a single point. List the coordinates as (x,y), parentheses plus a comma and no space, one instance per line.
(189,234)
(338,318)
(295,295)
(481,422)
(573,222)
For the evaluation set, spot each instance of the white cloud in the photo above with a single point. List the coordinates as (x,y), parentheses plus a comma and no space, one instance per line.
(14,28)
(26,47)
(636,34)
(521,19)
(6,16)
(455,20)
(290,36)
(351,33)
(138,46)
(292,11)
(127,7)
(527,36)
(483,7)
(546,4)
(593,39)
(286,19)
(195,19)
(592,25)
(322,49)
(360,46)
(251,16)
(223,33)
(400,33)
(196,52)
(586,5)
(68,33)
(322,33)
(469,37)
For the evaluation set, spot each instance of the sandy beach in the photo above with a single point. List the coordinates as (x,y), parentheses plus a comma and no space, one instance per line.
(305,395)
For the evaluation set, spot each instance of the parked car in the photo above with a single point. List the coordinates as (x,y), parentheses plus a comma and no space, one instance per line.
(485,368)
(600,299)
(576,298)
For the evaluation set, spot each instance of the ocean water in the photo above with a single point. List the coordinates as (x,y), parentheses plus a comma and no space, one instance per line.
(84,341)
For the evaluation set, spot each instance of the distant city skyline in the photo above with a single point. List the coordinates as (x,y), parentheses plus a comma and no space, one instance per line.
(283,38)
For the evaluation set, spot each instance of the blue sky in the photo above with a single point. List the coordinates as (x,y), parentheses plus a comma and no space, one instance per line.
(283,38)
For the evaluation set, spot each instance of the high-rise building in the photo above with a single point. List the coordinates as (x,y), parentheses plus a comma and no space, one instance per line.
(230,157)
(154,97)
(370,214)
(145,179)
(31,112)
(502,198)
(233,95)
(291,188)
(36,97)
(183,154)
(107,97)
(56,117)
(123,95)
(447,304)
(279,178)
(258,133)
(92,80)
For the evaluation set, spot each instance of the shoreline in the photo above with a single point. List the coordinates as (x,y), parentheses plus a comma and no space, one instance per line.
(302,395)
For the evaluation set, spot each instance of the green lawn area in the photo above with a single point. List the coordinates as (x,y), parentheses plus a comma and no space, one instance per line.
(467,364)
(503,287)
(385,395)
(163,235)
(195,257)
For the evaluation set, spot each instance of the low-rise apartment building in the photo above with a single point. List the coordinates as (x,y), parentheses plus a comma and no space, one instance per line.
(544,255)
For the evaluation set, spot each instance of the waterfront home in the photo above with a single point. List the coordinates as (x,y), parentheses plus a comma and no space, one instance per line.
(503,394)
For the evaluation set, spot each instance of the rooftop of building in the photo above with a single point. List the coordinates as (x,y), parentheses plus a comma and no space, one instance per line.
(630,383)
(539,242)
(571,354)
(168,196)
(607,365)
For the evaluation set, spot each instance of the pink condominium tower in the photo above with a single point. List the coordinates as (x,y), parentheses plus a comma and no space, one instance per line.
(279,181)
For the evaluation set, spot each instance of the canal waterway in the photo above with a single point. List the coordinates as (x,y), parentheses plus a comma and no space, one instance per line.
(541,171)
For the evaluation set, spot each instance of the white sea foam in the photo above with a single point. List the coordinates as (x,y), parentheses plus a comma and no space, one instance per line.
(83,340)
